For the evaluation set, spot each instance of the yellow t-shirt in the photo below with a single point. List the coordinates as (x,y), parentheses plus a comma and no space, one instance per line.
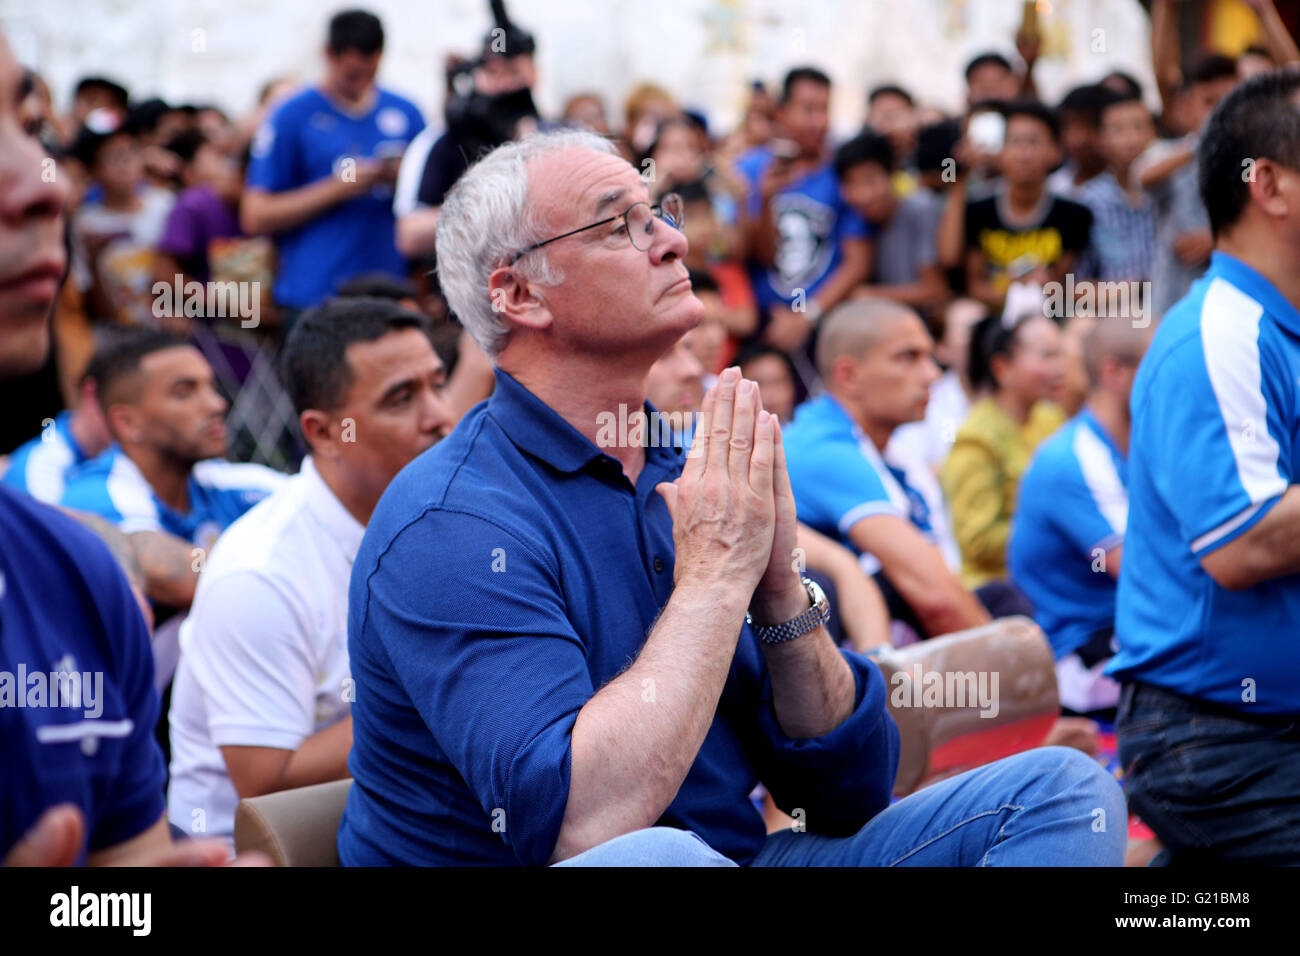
(981,479)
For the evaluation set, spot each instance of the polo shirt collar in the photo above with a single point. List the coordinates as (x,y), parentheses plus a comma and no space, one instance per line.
(1089,420)
(1257,287)
(537,429)
(339,524)
(839,414)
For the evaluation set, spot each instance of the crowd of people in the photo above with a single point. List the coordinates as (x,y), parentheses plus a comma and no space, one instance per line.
(334,385)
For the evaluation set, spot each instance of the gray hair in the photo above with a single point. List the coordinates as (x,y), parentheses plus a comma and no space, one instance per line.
(486,219)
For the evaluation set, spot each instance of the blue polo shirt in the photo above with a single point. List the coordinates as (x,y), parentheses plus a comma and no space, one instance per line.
(812,223)
(1214,414)
(839,476)
(41,466)
(111,486)
(508,574)
(1073,508)
(306,139)
(65,608)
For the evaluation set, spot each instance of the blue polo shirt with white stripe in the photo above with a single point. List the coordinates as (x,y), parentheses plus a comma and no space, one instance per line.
(66,608)
(839,476)
(41,466)
(1073,508)
(1212,451)
(112,487)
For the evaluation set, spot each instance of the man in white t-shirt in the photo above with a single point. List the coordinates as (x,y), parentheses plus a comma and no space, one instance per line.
(262,695)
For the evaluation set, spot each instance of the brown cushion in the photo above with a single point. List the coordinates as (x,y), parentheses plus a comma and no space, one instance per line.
(940,741)
(294,827)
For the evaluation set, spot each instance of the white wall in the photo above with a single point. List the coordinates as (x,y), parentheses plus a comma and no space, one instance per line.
(704,51)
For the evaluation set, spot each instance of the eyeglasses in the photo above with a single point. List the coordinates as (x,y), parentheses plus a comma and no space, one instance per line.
(638,222)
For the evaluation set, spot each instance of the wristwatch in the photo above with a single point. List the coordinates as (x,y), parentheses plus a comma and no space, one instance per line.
(805,623)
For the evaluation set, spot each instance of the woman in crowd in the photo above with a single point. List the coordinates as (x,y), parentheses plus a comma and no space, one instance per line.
(1021,364)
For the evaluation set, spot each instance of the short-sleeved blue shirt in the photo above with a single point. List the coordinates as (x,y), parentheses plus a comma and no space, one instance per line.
(111,486)
(306,139)
(812,222)
(65,608)
(1216,408)
(1073,508)
(507,575)
(41,466)
(839,476)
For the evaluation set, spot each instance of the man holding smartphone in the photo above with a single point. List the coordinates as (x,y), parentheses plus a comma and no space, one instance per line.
(805,245)
(323,165)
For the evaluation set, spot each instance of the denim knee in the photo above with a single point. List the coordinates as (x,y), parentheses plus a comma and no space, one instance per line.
(1083,777)
(653,846)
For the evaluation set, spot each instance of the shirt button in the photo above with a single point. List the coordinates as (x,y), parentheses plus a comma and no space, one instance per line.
(659,565)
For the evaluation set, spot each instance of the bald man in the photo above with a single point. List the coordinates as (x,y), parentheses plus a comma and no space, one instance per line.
(1068,535)
(876,359)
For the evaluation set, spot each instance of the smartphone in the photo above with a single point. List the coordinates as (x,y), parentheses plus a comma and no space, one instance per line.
(987,131)
(390,150)
(784,148)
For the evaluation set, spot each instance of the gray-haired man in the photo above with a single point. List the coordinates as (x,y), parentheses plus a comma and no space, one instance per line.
(553,661)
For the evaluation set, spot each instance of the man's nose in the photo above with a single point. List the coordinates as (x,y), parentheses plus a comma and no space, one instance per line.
(32,186)
(669,242)
(691,369)
(436,414)
(217,401)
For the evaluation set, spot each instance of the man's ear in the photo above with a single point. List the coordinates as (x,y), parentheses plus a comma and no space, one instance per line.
(844,371)
(124,423)
(514,298)
(318,431)
(1268,188)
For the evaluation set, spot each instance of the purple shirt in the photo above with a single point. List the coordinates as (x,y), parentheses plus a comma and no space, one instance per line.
(198,217)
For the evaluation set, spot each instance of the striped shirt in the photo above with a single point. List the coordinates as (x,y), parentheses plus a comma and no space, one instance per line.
(1215,410)
(112,487)
(1073,508)
(41,466)
(1123,241)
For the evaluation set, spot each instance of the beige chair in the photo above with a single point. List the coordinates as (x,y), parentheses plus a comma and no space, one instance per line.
(294,827)
(996,687)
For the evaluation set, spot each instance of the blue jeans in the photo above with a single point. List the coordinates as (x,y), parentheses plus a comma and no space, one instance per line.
(1051,806)
(1214,785)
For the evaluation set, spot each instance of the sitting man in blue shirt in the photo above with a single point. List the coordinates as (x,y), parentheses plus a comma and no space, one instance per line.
(82,775)
(875,358)
(1068,536)
(547,626)
(322,168)
(1210,594)
(162,482)
(41,466)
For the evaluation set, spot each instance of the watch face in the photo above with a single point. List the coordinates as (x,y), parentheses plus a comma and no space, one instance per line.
(817,596)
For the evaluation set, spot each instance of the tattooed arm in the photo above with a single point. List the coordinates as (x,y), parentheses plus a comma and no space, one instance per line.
(158,564)
(118,542)
(169,567)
